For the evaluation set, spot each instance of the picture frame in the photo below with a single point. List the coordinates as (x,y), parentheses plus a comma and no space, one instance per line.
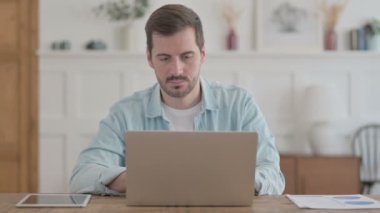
(288,26)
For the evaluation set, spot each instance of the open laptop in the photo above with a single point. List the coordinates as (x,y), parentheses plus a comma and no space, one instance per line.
(190,168)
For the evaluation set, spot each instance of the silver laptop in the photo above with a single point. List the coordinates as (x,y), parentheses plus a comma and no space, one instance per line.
(190,168)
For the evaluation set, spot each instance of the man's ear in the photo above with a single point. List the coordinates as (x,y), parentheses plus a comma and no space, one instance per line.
(149,58)
(203,55)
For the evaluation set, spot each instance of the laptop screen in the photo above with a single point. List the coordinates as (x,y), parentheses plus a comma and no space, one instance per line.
(190,168)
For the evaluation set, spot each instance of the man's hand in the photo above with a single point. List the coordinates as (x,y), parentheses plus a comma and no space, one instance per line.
(119,183)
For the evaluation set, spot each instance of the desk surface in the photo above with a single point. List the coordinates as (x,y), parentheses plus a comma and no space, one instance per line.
(117,204)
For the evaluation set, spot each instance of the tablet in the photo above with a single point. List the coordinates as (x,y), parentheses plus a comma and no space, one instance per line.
(54,200)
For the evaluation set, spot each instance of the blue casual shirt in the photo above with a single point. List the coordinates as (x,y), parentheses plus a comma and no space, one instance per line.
(224,108)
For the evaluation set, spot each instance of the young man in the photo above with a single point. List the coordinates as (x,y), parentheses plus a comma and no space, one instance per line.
(180,101)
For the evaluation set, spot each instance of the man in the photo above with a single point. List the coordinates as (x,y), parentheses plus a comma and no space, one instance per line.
(181,101)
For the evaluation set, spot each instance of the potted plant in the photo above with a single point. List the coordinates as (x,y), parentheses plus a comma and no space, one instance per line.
(372,29)
(123,10)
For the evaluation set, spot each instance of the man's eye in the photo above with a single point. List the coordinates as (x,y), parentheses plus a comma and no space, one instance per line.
(164,59)
(188,56)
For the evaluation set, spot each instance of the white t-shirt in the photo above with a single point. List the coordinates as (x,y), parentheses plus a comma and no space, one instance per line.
(182,119)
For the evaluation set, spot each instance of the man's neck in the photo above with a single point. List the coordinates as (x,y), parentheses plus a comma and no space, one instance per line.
(192,99)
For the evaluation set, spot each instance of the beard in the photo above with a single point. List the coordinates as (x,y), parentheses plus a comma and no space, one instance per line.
(177,92)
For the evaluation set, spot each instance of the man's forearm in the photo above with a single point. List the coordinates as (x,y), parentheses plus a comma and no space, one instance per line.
(269,181)
(119,183)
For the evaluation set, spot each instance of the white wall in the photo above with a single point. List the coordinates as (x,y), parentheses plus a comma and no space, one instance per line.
(77,90)
(73,20)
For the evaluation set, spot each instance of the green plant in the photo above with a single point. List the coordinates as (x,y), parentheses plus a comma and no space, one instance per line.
(119,10)
(373,27)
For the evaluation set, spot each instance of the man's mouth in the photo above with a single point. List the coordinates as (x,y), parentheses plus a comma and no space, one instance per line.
(176,80)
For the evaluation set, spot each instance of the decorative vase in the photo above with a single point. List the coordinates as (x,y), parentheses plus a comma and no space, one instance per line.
(232,40)
(331,39)
(374,43)
(325,140)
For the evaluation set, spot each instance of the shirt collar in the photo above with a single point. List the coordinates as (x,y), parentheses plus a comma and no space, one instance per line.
(154,103)
(208,98)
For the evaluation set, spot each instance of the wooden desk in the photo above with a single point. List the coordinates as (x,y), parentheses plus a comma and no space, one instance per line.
(117,204)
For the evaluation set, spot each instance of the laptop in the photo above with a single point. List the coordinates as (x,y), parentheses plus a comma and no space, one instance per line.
(190,168)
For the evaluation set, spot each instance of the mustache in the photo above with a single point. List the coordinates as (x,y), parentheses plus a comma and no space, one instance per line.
(178,77)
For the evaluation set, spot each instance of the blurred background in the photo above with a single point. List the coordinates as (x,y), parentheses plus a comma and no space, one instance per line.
(312,66)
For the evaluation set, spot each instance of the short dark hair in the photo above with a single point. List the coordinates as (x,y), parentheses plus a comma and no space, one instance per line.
(170,19)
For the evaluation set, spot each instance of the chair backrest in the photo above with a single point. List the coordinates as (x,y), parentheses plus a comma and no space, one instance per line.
(366,144)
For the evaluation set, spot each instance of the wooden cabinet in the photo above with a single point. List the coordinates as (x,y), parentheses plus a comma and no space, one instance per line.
(321,175)
(18,96)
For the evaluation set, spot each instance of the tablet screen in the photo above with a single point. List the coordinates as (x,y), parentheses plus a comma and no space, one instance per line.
(54,200)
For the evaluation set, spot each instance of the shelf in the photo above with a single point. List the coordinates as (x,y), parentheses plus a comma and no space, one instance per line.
(221,54)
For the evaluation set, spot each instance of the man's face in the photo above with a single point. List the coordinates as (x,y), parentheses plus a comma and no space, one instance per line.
(176,60)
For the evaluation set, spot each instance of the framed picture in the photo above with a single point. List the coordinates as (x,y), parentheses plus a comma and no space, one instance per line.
(288,26)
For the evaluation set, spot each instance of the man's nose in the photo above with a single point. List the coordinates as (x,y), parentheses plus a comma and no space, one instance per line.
(177,67)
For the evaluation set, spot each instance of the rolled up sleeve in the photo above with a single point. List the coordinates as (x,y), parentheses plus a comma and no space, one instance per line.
(269,179)
(101,162)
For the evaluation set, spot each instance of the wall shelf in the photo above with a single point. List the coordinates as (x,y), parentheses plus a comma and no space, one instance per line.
(221,54)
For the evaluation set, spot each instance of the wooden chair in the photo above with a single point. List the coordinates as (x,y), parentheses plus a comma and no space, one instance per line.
(366,144)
